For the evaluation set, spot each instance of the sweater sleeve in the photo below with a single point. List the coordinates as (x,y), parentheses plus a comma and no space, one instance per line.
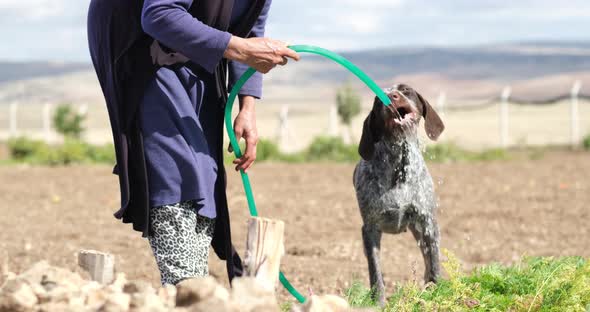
(169,22)
(253,86)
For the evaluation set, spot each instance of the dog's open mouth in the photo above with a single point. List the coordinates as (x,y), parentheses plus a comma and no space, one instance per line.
(406,116)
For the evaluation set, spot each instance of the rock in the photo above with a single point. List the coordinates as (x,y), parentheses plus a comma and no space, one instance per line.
(326,303)
(61,307)
(96,298)
(66,295)
(138,287)
(17,295)
(194,290)
(146,302)
(167,294)
(119,283)
(51,277)
(207,304)
(248,295)
(8,276)
(41,293)
(116,302)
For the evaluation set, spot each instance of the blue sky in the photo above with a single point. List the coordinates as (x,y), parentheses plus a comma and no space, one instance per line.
(55,29)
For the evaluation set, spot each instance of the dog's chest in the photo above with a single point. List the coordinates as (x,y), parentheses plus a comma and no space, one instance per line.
(393,189)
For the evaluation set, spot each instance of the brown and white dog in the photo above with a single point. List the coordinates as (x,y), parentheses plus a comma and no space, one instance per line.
(393,187)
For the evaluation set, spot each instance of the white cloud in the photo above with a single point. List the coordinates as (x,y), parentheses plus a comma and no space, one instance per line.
(55,29)
(32,9)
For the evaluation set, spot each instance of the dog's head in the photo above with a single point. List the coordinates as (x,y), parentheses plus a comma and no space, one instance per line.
(399,119)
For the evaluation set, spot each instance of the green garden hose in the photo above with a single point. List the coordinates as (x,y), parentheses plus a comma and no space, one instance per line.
(234,142)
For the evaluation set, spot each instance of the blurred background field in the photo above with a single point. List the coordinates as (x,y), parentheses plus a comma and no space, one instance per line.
(299,100)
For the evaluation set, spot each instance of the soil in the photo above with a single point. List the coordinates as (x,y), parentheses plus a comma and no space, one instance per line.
(494,211)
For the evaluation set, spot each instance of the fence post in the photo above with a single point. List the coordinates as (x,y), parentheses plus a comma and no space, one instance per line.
(574,116)
(83,109)
(503,116)
(13,115)
(283,127)
(333,120)
(440,103)
(47,122)
(264,250)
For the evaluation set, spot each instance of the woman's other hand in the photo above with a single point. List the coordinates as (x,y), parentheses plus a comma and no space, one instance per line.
(262,54)
(245,127)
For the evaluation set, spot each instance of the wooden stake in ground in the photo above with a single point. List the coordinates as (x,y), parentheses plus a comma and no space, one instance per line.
(100,265)
(264,249)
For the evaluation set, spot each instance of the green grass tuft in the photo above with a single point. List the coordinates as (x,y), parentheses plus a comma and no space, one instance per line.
(72,151)
(534,284)
(358,296)
(450,152)
(586,142)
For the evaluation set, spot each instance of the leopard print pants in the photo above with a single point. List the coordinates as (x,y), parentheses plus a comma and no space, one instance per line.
(180,241)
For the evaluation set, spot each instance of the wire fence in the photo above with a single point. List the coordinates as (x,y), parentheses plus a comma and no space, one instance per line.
(502,120)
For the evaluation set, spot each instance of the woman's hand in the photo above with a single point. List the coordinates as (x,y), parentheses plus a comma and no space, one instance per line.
(262,54)
(245,127)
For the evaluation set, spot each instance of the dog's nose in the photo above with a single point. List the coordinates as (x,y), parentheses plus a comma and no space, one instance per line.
(395,96)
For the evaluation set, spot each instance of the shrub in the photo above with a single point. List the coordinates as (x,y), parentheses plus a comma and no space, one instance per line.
(71,151)
(67,122)
(23,148)
(267,150)
(444,153)
(102,153)
(331,149)
(450,152)
(586,142)
(348,103)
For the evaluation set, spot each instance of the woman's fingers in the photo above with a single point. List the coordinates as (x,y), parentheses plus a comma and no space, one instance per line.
(285,51)
(249,155)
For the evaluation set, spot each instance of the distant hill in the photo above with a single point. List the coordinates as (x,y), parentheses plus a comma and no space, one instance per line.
(510,62)
(534,69)
(11,71)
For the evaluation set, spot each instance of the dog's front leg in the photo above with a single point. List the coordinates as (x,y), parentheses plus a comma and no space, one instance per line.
(372,243)
(427,235)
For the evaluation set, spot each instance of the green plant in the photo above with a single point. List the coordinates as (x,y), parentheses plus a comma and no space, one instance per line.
(359,296)
(586,142)
(71,151)
(286,306)
(450,152)
(23,148)
(534,284)
(348,105)
(444,152)
(67,122)
(101,153)
(331,149)
(267,150)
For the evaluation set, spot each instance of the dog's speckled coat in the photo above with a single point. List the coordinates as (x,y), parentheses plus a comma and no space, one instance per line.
(394,189)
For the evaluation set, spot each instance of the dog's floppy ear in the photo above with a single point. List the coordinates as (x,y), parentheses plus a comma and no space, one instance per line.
(432,122)
(369,137)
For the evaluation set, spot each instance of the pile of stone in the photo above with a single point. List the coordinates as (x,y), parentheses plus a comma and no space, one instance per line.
(47,288)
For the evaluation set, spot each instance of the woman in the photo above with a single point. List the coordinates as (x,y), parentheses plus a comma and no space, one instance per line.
(162,66)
